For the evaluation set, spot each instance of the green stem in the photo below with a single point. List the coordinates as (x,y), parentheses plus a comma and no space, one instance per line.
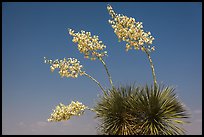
(152,67)
(104,64)
(96,82)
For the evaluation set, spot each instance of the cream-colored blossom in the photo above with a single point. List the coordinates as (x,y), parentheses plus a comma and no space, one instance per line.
(69,67)
(63,112)
(89,45)
(130,31)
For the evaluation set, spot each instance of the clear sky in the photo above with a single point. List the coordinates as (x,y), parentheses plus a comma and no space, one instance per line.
(34,30)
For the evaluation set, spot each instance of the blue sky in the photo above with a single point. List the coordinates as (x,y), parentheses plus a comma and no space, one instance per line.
(31,31)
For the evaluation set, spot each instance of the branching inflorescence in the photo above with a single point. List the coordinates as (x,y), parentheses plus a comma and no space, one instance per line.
(90,46)
(69,67)
(130,31)
(63,112)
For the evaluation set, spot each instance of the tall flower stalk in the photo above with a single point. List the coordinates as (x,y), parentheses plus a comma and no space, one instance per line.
(96,82)
(109,76)
(130,31)
(152,67)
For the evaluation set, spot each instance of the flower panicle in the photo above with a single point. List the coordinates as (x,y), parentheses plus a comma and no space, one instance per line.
(69,67)
(63,112)
(90,46)
(130,31)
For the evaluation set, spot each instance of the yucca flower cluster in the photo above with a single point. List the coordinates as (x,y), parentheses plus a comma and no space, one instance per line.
(130,31)
(89,45)
(69,67)
(63,112)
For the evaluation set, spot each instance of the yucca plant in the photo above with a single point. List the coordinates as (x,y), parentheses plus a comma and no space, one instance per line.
(141,111)
(125,110)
